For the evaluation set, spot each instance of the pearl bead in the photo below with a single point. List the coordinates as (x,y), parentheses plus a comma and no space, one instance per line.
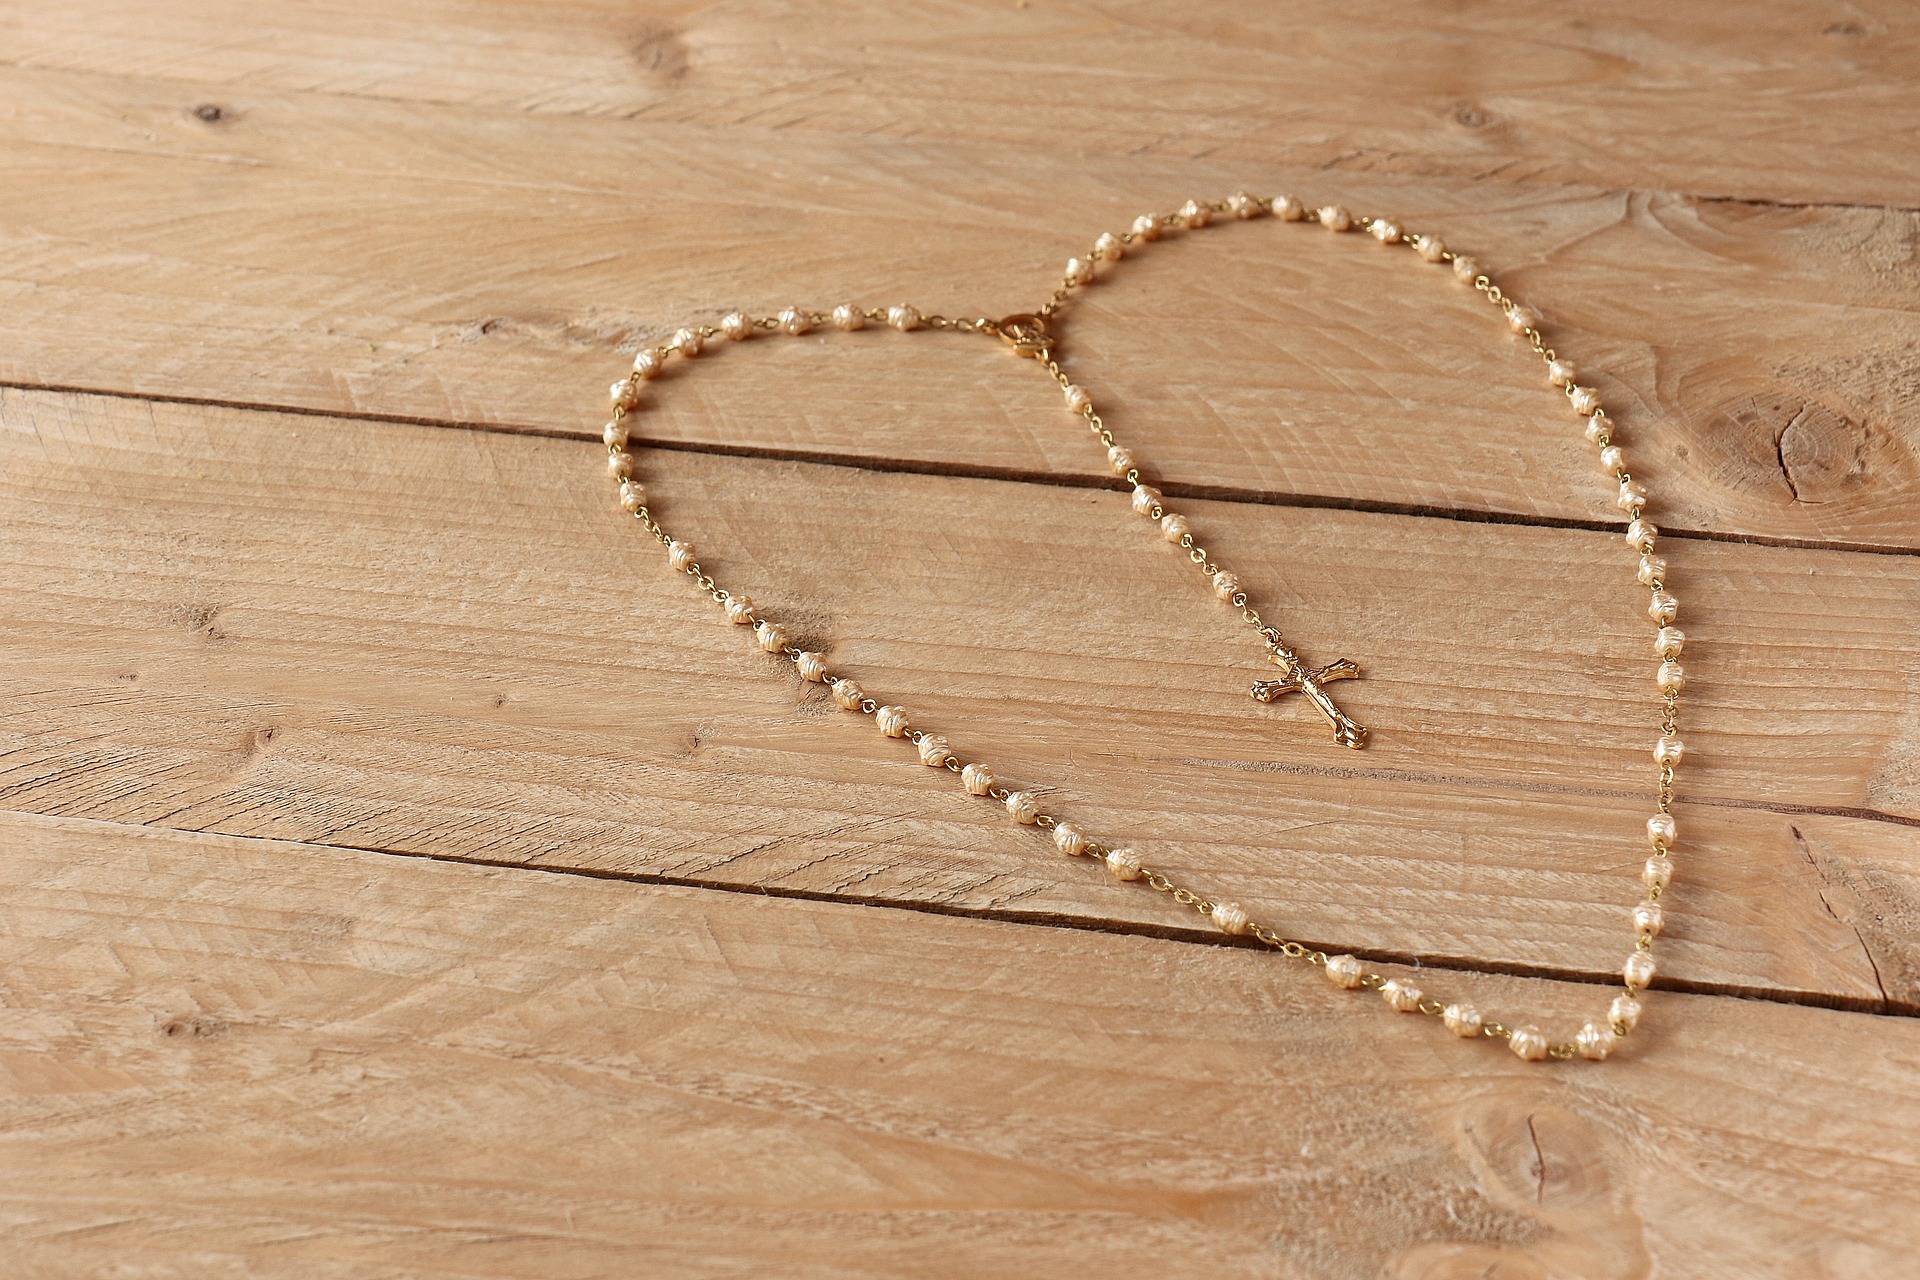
(1078,272)
(1528,1043)
(619,466)
(849,318)
(1078,401)
(1671,676)
(1663,608)
(1594,1041)
(1175,527)
(1431,248)
(1624,1013)
(1145,499)
(1466,270)
(903,317)
(1462,1019)
(1638,970)
(811,666)
(648,363)
(1385,231)
(740,610)
(1561,373)
(1108,247)
(1023,806)
(1669,751)
(1345,971)
(977,779)
(1120,458)
(934,752)
(1633,496)
(848,694)
(1641,536)
(1668,642)
(1242,205)
(1226,585)
(614,434)
(1612,460)
(680,555)
(1125,864)
(1661,830)
(1069,840)
(772,637)
(689,343)
(1598,430)
(1231,918)
(1652,569)
(795,321)
(737,325)
(1195,214)
(891,721)
(633,496)
(1585,401)
(1146,227)
(624,395)
(1647,918)
(1335,218)
(1288,209)
(1658,873)
(1522,318)
(1403,996)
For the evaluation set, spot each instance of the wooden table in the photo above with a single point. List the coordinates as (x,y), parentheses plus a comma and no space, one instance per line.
(407,875)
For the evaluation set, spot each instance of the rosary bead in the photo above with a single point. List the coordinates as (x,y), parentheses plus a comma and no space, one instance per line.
(1612,460)
(1585,401)
(1624,1014)
(1078,401)
(1335,218)
(1658,873)
(737,325)
(1561,373)
(1023,806)
(633,496)
(1430,248)
(1195,214)
(1385,231)
(1668,641)
(1403,996)
(1108,247)
(1638,970)
(977,779)
(680,555)
(740,613)
(1466,270)
(1231,917)
(1345,971)
(1652,569)
(1663,608)
(811,666)
(1633,496)
(849,318)
(1661,830)
(934,752)
(848,694)
(1079,271)
(1120,458)
(1242,205)
(1069,839)
(1669,751)
(620,466)
(795,321)
(1462,1019)
(772,637)
(1175,527)
(1671,676)
(1594,1041)
(1598,430)
(1146,499)
(1648,918)
(903,317)
(1528,1043)
(648,363)
(624,395)
(1641,535)
(1125,864)
(614,434)
(689,343)
(1522,318)
(1146,227)
(892,721)
(1287,209)
(1226,585)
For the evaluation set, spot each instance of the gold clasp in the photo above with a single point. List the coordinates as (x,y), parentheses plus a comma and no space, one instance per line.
(1026,334)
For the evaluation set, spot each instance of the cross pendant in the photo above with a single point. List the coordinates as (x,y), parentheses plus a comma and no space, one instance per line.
(1300,680)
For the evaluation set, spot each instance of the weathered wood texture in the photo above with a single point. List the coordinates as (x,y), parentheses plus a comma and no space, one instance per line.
(423,640)
(230,1057)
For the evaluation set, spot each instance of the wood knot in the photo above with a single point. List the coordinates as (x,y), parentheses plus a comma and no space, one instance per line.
(211,113)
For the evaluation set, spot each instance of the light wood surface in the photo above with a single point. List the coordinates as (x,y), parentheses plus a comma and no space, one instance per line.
(313,597)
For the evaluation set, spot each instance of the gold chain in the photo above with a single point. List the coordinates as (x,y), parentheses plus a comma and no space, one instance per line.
(1031,335)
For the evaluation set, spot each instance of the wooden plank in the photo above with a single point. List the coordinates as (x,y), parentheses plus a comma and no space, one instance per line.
(470,264)
(449,642)
(1635,95)
(228,1057)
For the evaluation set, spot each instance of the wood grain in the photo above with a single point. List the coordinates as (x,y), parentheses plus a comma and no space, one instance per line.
(474,264)
(447,642)
(235,1057)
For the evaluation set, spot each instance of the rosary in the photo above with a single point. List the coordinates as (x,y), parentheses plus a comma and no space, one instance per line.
(1032,335)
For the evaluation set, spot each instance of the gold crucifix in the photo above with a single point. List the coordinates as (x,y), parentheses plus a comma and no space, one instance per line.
(1300,680)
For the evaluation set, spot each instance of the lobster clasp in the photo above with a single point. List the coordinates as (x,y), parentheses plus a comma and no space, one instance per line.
(1026,334)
